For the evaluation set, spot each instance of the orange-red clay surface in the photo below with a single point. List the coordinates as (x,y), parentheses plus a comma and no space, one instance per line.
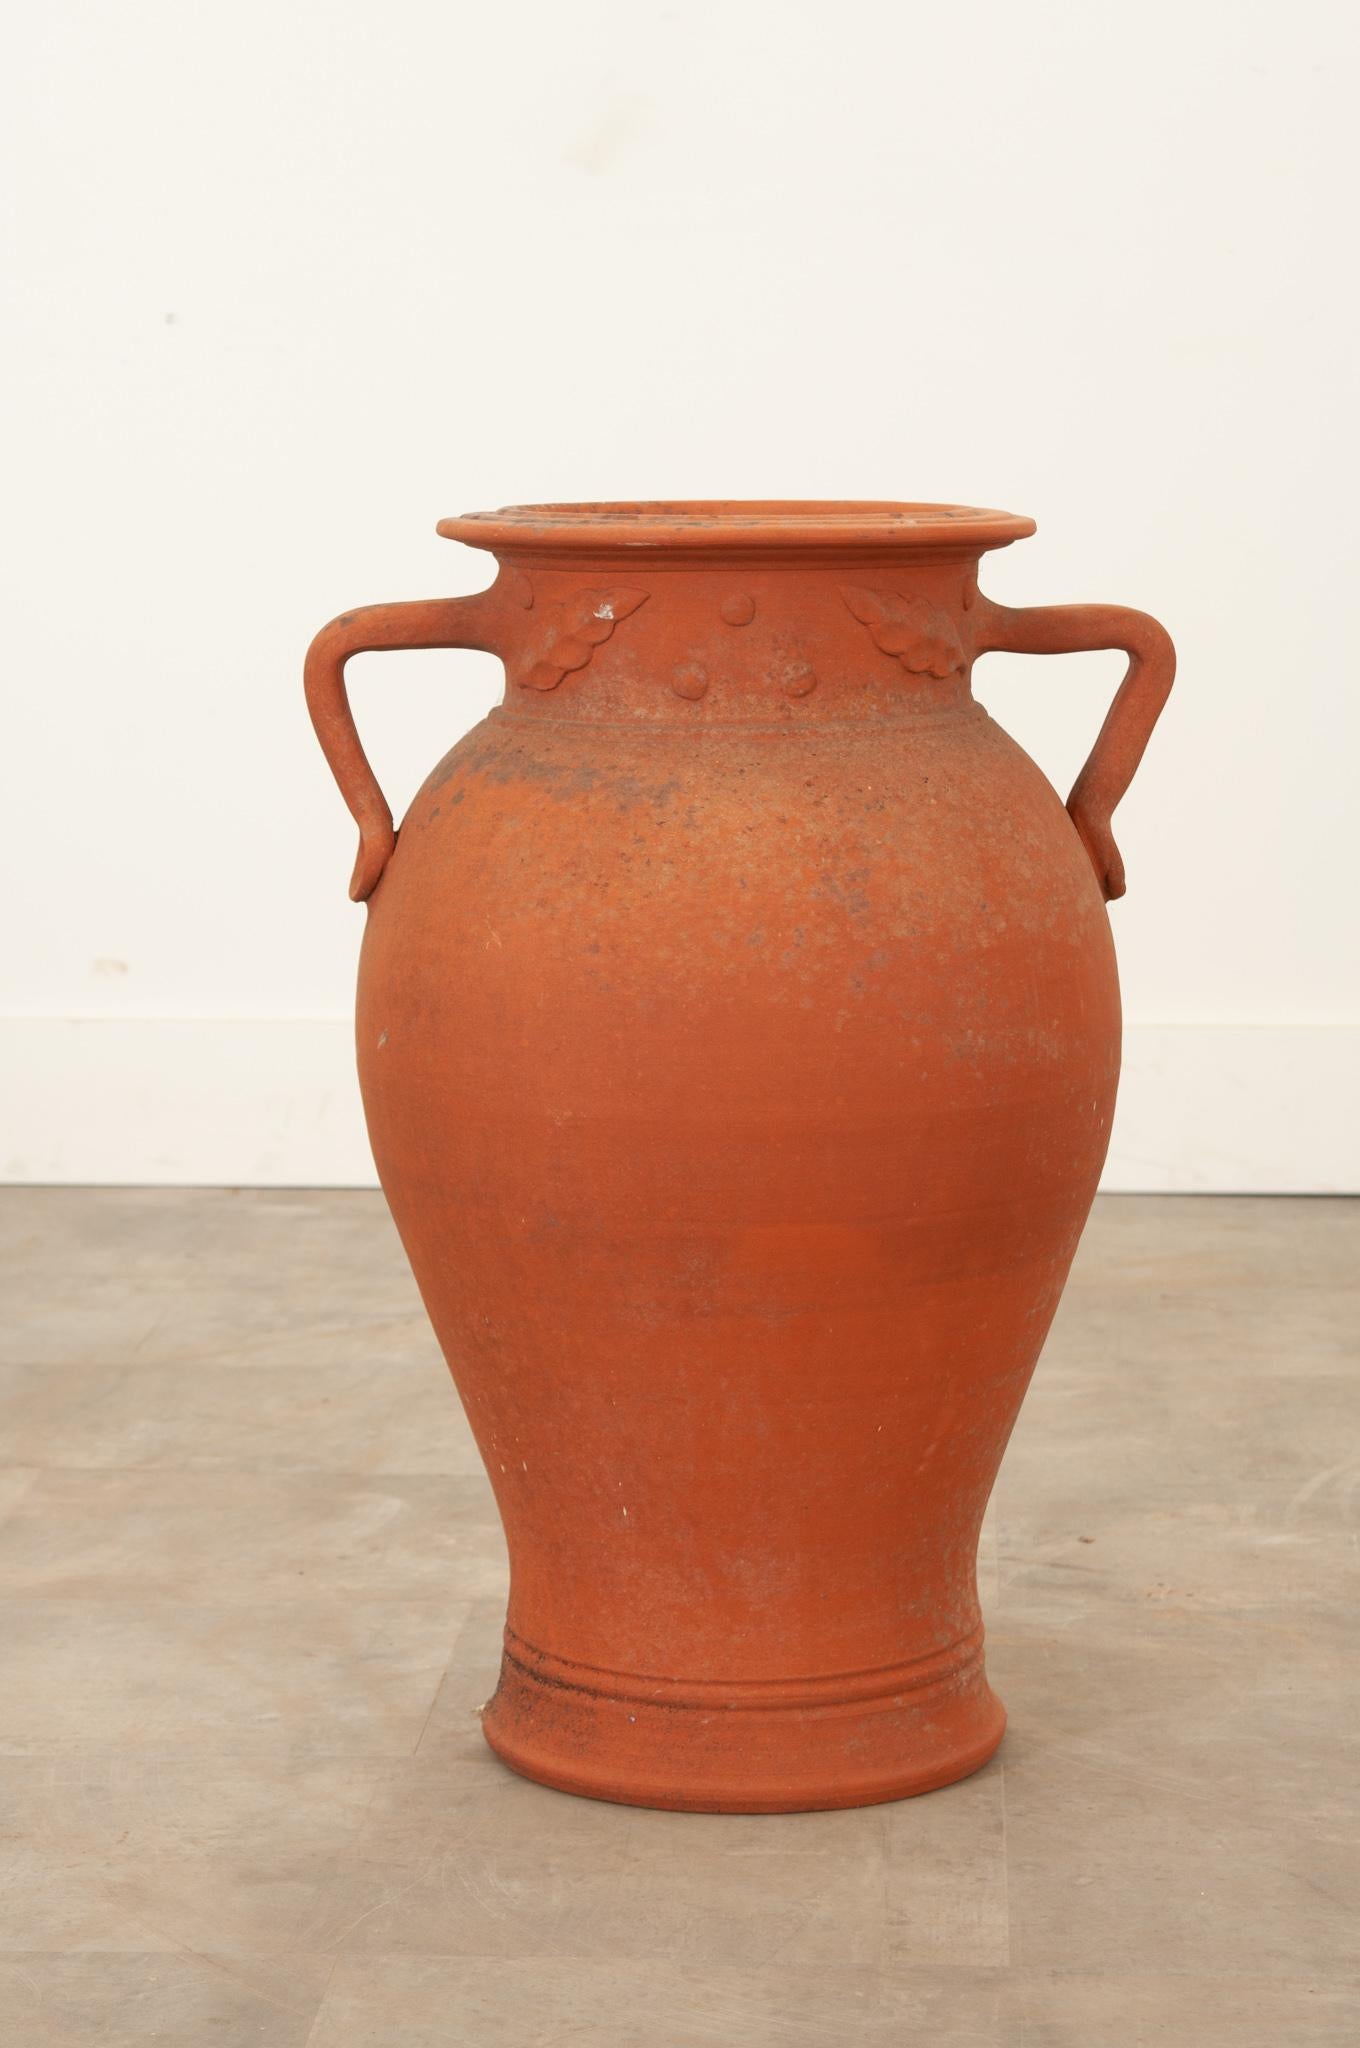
(738,1028)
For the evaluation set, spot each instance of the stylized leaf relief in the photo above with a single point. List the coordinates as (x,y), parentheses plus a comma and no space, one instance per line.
(915,633)
(575,628)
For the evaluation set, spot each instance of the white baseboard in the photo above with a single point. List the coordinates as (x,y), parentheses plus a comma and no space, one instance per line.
(273,1102)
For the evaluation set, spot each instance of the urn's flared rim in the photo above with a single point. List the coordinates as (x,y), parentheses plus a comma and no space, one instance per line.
(736,525)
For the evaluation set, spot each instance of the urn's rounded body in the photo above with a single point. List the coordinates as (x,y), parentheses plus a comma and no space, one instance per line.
(739,1063)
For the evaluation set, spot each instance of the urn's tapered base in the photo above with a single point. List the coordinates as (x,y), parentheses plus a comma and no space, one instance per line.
(792,1747)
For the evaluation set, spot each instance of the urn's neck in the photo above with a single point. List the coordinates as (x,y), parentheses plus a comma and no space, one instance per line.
(700,639)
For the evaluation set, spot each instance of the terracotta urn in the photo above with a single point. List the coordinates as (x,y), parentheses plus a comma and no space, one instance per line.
(738,1030)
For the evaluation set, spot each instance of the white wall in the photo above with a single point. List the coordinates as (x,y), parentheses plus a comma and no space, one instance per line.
(290,281)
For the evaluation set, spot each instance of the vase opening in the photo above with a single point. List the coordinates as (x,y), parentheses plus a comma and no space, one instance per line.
(745,527)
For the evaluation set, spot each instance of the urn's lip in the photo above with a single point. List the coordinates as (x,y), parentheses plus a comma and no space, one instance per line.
(738,525)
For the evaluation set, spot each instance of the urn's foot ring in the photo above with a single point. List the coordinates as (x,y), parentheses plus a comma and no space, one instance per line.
(713,1747)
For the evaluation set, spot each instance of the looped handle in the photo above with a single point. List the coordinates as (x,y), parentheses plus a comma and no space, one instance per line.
(429,622)
(1113,760)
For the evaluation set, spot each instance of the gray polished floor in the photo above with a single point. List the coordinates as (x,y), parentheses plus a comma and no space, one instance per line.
(250,1587)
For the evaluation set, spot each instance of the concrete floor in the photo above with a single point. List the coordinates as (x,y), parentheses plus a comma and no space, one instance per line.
(250,1588)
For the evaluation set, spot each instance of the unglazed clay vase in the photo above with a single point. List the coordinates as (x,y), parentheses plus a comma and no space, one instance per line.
(738,1029)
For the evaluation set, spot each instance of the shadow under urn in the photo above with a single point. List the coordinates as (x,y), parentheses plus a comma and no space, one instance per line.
(738,1029)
